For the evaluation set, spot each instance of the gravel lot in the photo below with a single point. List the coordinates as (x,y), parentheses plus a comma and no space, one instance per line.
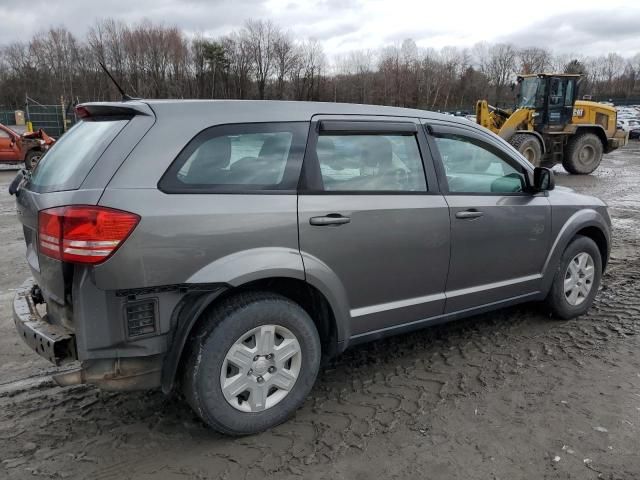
(507,395)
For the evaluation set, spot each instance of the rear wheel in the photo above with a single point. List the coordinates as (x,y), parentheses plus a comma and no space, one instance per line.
(32,158)
(253,363)
(577,279)
(529,146)
(583,154)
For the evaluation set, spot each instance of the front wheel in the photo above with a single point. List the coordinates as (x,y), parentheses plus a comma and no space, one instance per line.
(32,158)
(253,363)
(577,279)
(529,146)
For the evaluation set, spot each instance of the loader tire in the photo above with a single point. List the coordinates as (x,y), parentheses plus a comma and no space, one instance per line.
(583,154)
(529,146)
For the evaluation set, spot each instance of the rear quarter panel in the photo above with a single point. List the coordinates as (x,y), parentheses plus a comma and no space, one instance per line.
(202,238)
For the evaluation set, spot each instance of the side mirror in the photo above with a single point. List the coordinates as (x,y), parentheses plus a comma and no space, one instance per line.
(543,179)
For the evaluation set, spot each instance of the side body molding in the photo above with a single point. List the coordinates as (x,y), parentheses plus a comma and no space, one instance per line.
(581,219)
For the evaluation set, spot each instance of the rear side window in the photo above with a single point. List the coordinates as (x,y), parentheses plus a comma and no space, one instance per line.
(69,161)
(239,158)
(370,163)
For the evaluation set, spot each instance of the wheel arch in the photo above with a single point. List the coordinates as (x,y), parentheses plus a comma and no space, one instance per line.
(598,130)
(189,313)
(537,135)
(35,148)
(600,239)
(587,222)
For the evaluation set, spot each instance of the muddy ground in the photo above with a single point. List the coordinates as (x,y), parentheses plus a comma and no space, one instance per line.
(506,395)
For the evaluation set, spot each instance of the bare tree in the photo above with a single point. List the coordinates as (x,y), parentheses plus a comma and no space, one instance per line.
(533,60)
(261,36)
(286,56)
(498,63)
(261,60)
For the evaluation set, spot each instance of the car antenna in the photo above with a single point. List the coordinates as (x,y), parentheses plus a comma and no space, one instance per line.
(125,97)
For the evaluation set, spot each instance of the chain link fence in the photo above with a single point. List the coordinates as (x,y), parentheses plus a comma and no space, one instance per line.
(53,119)
(7,117)
(50,118)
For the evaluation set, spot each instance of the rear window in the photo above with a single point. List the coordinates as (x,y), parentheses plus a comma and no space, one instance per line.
(69,161)
(239,158)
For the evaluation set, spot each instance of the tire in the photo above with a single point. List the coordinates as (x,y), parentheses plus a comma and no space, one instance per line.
(583,154)
(529,146)
(31,159)
(558,300)
(224,327)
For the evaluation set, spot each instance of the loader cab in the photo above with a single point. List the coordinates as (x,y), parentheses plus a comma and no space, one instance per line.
(551,96)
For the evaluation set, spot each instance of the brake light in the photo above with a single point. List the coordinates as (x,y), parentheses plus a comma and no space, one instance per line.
(82,112)
(83,234)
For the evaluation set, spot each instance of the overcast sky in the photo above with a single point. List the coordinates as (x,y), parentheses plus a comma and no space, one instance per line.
(581,27)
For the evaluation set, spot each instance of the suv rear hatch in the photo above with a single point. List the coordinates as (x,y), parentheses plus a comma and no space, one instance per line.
(75,172)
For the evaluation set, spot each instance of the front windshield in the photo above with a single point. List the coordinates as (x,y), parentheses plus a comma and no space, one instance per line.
(528,92)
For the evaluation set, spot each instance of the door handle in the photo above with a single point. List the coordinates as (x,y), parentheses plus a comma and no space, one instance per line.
(469,214)
(331,219)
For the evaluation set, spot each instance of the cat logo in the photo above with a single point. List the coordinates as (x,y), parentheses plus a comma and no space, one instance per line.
(578,112)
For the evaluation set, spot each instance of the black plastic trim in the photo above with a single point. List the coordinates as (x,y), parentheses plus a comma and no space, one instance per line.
(357,127)
(183,320)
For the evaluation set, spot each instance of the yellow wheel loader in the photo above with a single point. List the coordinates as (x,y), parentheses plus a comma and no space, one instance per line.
(548,125)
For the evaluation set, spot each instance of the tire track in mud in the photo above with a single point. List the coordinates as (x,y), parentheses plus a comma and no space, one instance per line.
(371,390)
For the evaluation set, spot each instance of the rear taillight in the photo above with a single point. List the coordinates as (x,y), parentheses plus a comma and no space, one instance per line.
(82,233)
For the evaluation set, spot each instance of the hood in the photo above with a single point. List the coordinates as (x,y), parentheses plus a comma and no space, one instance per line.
(561,195)
(39,135)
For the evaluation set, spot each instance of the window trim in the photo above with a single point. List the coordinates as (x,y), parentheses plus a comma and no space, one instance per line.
(311,182)
(168,182)
(450,129)
(366,127)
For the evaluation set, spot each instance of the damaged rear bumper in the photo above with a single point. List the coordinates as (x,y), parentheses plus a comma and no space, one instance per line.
(58,345)
(53,342)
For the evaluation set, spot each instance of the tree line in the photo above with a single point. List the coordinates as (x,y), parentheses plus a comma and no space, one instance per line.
(262,60)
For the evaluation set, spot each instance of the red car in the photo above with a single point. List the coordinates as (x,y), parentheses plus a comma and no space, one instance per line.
(27,148)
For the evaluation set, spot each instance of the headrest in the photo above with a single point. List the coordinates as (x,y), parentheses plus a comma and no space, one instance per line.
(378,152)
(214,153)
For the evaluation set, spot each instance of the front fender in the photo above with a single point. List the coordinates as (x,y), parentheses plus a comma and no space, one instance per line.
(579,220)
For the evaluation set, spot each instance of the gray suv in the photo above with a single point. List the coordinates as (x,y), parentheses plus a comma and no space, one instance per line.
(225,248)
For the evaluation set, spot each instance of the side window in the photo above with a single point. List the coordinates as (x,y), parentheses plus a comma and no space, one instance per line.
(238,158)
(568,99)
(4,134)
(556,94)
(371,163)
(472,166)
